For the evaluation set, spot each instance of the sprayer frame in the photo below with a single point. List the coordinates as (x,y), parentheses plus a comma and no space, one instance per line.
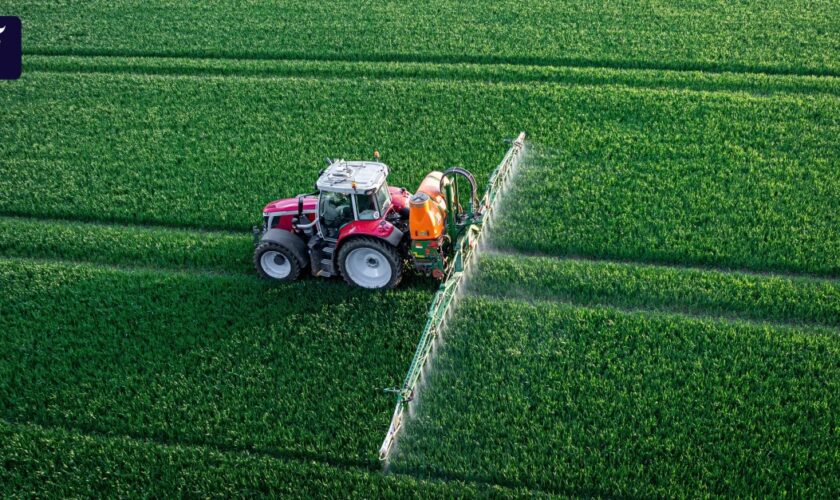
(467,234)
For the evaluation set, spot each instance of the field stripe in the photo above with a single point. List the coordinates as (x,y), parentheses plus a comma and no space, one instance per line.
(73,219)
(122,440)
(756,84)
(637,404)
(721,211)
(732,319)
(274,453)
(792,37)
(220,251)
(570,62)
(128,268)
(702,293)
(138,246)
(76,219)
(517,253)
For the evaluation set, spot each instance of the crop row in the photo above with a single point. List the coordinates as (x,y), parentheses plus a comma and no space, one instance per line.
(595,402)
(726,200)
(654,175)
(296,370)
(134,246)
(695,291)
(212,152)
(57,463)
(759,84)
(784,36)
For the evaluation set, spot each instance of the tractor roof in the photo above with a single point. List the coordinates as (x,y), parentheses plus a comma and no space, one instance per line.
(352,176)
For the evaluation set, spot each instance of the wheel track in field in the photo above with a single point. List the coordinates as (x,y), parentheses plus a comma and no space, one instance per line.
(134,268)
(510,252)
(283,455)
(278,454)
(490,250)
(121,224)
(513,295)
(729,318)
(755,84)
(570,62)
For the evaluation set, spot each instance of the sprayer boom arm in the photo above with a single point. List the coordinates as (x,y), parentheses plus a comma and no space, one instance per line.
(443,300)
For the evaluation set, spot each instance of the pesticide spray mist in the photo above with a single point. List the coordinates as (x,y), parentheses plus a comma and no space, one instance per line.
(484,243)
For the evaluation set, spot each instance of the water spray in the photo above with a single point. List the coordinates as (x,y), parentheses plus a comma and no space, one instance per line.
(452,288)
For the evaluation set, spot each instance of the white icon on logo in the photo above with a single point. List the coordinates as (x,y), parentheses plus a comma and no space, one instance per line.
(1,31)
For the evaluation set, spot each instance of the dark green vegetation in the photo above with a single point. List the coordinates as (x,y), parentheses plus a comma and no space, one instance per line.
(296,370)
(599,402)
(660,175)
(756,83)
(150,134)
(139,149)
(59,463)
(121,245)
(789,36)
(693,291)
(738,193)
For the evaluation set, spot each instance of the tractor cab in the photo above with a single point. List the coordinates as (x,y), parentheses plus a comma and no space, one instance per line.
(354,226)
(351,191)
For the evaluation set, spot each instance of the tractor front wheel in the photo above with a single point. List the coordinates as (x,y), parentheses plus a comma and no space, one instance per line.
(274,261)
(370,263)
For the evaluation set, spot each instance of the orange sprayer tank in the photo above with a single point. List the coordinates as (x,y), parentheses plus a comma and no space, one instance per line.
(427,209)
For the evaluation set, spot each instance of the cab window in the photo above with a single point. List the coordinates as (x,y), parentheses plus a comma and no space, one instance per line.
(366,207)
(383,198)
(335,211)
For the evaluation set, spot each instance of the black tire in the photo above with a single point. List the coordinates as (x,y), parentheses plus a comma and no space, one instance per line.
(284,253)
(390,257)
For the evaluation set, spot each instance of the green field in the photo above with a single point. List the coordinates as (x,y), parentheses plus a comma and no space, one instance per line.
(222,360)
(655,313)
(587,402)
(756,202)
(120,245)
(700,292)
(61,463)
(789,36)
(706,178)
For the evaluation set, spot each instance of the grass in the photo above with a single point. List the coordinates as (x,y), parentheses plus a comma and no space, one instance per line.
(724,201)
(597,402)
(60,463)
(760,84)
(693,291)
(297,370)
(791,36)
(654,175)
(144,139)
(158,166)
(120,245)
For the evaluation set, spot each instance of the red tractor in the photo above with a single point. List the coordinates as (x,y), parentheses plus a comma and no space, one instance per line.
(358,227)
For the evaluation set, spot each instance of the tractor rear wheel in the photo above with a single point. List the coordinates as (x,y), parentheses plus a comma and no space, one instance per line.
(370,263)
(275,261)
